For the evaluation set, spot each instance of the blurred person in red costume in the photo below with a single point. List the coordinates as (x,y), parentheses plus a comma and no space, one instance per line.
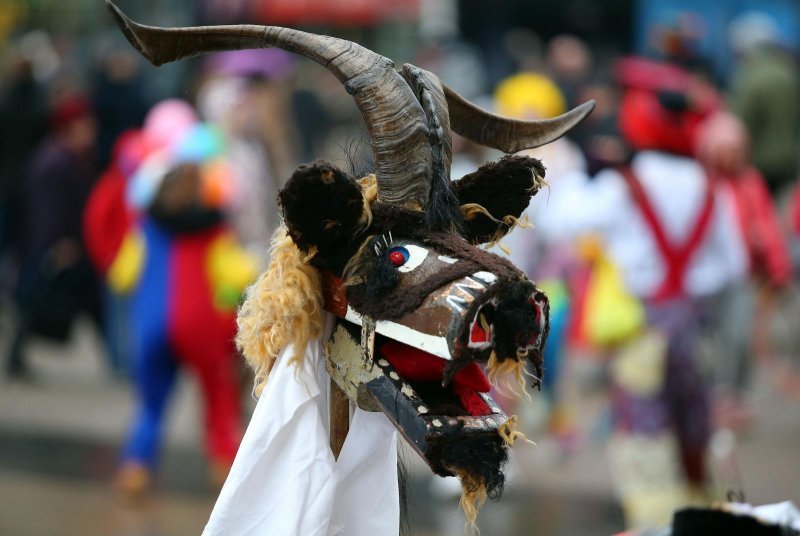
(723,147)
(155,228)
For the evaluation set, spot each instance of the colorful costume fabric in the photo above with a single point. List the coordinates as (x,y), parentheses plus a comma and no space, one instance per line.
(183,275)
(175,322)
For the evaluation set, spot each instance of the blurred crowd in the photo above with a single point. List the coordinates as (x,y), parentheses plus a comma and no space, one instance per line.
(668,239)
(666,243)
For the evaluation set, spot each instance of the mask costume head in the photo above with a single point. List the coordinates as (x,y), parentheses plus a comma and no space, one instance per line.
(421,308)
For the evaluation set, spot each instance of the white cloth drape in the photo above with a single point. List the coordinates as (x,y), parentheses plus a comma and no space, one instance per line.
(285,481)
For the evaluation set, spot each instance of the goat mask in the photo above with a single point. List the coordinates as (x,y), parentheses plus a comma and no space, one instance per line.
(395,255)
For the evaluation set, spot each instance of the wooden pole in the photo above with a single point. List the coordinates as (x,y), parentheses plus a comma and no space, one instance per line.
(340,418)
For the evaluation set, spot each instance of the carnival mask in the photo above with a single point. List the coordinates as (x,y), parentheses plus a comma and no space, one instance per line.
(421,308)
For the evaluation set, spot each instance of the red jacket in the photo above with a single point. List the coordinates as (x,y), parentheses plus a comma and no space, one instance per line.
(106,219)
(795,212)
(760,227)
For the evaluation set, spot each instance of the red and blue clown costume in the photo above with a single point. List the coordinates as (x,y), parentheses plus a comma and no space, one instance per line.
(182,286)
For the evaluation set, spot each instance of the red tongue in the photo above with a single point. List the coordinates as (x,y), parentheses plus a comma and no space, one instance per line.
(470,399)
(414,364)
(478,334)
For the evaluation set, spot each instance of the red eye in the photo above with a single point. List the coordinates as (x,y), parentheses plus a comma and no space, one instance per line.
(398,256)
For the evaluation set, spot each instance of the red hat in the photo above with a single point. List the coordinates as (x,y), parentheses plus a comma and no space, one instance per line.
(662,105)
(647,124)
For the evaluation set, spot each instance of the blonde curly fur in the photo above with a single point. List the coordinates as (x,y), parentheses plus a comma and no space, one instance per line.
(473,495)
(284,306)
(510,371)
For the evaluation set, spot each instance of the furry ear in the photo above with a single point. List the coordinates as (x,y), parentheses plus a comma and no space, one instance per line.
(495,195)
(323,208)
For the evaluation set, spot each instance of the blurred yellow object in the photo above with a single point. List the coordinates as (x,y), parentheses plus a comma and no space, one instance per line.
(557,293)
(612,315)
(231,269)
(529,96)
(641,364)
(127,267)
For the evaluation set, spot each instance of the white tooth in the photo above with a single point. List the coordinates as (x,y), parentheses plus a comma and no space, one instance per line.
(486,278)
(447,259)
(432,344)
(465,289)
(457,302)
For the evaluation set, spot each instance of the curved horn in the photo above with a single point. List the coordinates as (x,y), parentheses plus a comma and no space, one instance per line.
(509,135)
(395,120)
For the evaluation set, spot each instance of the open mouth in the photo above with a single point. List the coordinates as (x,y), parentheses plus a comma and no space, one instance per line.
(436,418)
(424,374)
(406,383)
(431,371)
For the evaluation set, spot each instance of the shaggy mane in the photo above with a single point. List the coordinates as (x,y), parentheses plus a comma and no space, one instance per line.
(283,306)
